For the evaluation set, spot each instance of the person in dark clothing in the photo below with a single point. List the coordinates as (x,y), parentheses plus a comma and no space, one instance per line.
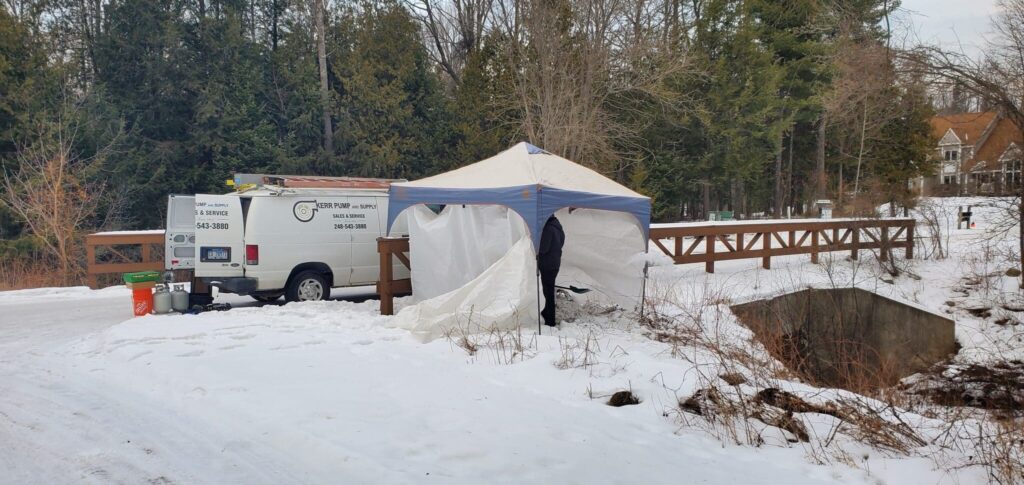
(549,260)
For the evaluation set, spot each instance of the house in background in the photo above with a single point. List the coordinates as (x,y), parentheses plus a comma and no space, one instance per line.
(975,154)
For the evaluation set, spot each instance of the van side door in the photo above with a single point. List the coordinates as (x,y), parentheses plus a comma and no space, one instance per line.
(366,228)
(219,236)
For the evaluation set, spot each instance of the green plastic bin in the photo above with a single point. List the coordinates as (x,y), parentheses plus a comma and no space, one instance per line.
(141,277)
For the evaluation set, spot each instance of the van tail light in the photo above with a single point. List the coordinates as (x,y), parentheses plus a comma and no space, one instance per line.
(252,254)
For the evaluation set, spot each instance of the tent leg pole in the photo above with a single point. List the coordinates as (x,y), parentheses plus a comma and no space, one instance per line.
(538,303)
(643,293)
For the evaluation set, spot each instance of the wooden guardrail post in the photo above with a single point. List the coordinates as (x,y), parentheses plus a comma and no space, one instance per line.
(387,298)
(814,246)
(855,241)
(766,241)
(709,265)
(884,250)
(391,248)
(90,258)
(910,241)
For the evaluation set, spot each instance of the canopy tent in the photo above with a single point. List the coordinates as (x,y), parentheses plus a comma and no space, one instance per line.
(474,264)
(530,181)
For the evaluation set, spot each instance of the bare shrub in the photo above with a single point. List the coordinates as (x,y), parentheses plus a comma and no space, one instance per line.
(1001,451)
(935,219)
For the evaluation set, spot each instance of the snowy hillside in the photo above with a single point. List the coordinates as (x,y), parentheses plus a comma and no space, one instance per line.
(328,392)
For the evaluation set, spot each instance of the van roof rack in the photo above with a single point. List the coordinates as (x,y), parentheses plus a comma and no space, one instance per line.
(316,181)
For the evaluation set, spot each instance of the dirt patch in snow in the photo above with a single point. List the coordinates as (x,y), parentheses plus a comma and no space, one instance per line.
(623,398)
(997,387)
(785,410)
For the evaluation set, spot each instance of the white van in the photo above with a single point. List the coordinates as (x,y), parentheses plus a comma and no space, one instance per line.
(272,240)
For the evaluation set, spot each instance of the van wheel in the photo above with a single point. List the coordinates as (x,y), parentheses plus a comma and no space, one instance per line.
(308,286)
(266,297)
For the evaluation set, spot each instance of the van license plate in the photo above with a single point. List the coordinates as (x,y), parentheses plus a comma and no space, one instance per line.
(216,254)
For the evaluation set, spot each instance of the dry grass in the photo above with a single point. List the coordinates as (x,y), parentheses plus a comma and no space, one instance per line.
(22,273)
(578,352)
(503,346)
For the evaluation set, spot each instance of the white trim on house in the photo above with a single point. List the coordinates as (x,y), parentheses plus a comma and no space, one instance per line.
(1012,152)
(950,138)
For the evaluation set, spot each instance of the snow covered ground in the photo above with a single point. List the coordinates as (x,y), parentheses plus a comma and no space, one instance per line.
(328,392)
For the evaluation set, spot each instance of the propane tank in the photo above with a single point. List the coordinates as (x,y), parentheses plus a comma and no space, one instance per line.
(161,300)
(179,299)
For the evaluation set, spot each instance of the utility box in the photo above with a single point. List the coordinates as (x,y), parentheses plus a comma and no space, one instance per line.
(824,208)
(720,215)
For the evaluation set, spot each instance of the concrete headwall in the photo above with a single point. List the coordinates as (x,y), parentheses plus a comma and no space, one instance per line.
(845,334)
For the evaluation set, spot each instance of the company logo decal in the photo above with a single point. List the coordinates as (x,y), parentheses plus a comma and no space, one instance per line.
(304,210)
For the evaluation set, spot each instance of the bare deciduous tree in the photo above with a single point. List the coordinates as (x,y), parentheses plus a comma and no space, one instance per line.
(580,69)
(454,30)
(860,101)
(50,192)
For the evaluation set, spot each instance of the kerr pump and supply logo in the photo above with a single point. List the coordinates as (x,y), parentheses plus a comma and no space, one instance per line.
(304,210)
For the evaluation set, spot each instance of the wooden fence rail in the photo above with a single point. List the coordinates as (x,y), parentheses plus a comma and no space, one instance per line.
(121,262)
(709,242)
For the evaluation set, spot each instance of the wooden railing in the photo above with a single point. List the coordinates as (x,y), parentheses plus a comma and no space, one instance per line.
(391,248)
(133,259)
(707,243)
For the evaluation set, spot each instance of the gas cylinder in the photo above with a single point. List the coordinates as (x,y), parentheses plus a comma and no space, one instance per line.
(161,300)
(179,299)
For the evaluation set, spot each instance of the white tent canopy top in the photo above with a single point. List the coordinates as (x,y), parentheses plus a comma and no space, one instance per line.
(525,164)
(528,180)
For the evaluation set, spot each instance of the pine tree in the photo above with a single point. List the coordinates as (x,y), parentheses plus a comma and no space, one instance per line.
(393,119)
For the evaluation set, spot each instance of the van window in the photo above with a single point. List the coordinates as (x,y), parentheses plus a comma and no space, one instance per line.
(182,213)
(246,201)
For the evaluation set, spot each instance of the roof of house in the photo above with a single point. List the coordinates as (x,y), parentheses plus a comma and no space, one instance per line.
(997,139)
(989,133)
(969,127)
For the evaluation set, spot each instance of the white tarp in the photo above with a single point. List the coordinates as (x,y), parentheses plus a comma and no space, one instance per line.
(604,252)
(474,267)
(456,246)
(504,296)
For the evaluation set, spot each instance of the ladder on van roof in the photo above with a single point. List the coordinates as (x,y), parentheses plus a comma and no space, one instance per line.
(314,181)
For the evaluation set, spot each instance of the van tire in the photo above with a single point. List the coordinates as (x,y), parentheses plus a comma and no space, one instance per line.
(306,285)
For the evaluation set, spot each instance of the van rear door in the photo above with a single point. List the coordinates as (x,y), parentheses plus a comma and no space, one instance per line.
(180,244)
(219,236)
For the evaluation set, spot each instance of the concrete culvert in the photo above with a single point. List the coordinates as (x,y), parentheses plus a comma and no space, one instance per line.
(623,398)
(849,337)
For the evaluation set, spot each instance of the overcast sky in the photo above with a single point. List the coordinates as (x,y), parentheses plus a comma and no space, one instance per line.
(948,23)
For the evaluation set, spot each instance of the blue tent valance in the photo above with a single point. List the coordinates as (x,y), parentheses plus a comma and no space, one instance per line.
(534,203)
